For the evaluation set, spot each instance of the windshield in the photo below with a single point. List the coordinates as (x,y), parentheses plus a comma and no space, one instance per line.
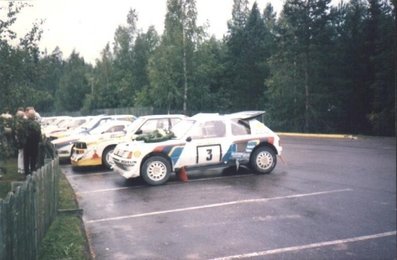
(181,128)
(91,122)
(62,122)
(102,129)
(73,123)
(135,125)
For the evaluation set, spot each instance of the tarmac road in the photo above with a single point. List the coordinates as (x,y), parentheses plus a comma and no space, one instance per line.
(329,199)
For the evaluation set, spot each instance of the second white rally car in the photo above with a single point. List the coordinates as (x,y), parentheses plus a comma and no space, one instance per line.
(96,151)
(198,141)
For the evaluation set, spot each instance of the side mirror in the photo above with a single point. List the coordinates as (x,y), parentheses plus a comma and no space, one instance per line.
(139,132)
(189,139)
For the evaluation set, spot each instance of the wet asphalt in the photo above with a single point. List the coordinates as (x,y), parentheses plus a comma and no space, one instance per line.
(327,199)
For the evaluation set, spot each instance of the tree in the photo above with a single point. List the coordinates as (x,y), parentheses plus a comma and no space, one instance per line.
(145,45)
(301,66)
(380,31)
(352,104)
(19,75)
(123,60)
(171,64)
(249,44)
(208,77)
(103,92)
(73,85)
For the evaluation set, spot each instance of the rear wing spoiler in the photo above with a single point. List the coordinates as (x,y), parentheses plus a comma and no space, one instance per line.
(246,115)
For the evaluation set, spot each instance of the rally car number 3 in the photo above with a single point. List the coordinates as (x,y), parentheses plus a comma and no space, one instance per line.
(208,154)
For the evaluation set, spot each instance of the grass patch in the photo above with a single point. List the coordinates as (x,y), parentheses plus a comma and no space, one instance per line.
(65,238)
(67,199)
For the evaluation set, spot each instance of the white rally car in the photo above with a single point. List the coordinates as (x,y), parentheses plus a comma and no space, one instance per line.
(96,151)
(201,140)
(106,128)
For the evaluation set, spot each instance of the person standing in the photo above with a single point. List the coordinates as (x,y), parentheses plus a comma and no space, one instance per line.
(33,137)
(20,137)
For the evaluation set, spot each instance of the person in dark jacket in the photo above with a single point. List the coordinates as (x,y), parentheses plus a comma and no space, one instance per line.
(31,147)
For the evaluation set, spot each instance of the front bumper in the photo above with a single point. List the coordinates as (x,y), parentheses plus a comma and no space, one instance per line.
(85,161)
(64,153)
(85,157)
(127,168)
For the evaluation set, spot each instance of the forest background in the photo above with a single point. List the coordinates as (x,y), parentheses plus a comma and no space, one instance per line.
(313,68)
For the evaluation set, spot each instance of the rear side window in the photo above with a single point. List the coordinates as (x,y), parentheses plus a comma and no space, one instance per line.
(240,128)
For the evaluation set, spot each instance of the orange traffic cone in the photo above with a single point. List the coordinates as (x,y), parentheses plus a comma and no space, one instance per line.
(182,174)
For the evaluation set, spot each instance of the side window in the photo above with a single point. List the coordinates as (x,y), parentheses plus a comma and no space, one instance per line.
(118,128)
(109,130)
(213,129)
(240,128)
(163,124)
(115,128)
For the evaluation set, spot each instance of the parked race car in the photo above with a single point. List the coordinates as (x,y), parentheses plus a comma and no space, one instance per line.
(66,127)
(91,152)
(202,140)
(91,123)
(104,129)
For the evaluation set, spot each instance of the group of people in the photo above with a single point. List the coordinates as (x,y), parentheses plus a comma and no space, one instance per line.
(27,133)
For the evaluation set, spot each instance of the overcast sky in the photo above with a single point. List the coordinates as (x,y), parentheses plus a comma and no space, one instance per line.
(87,25)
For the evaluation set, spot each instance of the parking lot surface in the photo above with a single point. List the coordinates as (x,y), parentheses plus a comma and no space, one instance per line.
(326,199)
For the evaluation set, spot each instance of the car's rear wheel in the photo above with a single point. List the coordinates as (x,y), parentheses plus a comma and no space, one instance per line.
(106,157)
(156,170)
(263,159)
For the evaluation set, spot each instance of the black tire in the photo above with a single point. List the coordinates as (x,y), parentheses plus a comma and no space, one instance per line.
(263,159)
(156,170)
(106,157)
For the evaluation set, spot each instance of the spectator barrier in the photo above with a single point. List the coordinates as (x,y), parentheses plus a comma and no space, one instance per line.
(28,211)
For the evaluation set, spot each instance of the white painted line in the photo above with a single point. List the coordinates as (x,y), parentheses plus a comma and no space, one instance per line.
(215,205)
(170,183)
(105,190)
(88,174)
(308,246)
(222,177)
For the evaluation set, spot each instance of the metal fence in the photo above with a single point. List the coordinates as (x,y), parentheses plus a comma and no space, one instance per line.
(27,213)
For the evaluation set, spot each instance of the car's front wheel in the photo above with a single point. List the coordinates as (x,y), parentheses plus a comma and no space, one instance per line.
(156,170)
(106,159)
(263,160)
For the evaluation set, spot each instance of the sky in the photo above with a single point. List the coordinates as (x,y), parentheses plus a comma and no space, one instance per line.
(86,26)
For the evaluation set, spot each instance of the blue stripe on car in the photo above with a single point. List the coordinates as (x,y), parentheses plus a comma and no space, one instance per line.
(175,153)
(228,155)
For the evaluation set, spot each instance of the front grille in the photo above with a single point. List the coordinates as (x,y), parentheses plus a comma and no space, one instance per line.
(78,151)
(80,145)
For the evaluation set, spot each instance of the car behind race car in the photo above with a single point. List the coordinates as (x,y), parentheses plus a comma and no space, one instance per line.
(96,151)
(104,129)
(198,141)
